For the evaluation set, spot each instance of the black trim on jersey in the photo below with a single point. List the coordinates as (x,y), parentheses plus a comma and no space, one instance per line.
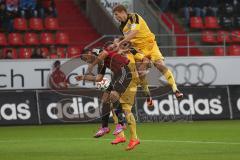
(131,19)
(133,51)
(123,24)
(137,18)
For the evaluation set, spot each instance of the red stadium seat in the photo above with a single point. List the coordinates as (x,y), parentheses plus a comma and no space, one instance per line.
(61,52)
(196,23)
(45,52)
(31,39)
(211,22)
(15,39)
(62,38)
(3,39)
(51,24)
(234,50)
(14,52)
(223,36)
(20,24)
(47,39)
(219,51)
(25,53)
(236,36)
(208,37)
(54,56)
(36,24)
(73,52)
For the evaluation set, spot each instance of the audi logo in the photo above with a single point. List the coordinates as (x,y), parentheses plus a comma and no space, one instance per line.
(193,73)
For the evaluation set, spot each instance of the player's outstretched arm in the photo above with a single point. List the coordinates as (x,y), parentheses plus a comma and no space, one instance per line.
(128,37)
(97,78)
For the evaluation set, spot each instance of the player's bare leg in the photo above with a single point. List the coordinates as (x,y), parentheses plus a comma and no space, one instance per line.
(160,65)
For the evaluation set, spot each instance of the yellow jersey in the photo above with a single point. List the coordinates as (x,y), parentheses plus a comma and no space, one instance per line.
(144,35)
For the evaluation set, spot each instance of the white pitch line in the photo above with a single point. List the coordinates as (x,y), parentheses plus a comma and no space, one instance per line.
(105,139)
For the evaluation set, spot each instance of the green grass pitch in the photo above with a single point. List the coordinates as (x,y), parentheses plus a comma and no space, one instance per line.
(202,140)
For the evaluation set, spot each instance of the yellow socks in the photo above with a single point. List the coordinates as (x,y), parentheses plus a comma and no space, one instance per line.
(170,78)
(144,85)
(132,125)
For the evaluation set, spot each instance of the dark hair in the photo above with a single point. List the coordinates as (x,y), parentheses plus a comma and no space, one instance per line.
(8,50)
(56,63)
(108,43)
(85,51)
(119,8)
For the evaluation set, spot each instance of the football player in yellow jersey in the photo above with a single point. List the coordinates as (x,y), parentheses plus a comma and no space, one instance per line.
(142,64)
(135,29)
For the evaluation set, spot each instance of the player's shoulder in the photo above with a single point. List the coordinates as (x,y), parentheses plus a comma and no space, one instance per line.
(134,18)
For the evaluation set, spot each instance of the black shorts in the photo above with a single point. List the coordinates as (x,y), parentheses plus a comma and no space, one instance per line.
(121,81)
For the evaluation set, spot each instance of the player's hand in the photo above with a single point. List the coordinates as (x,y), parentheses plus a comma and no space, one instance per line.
(79,78)
(117,45)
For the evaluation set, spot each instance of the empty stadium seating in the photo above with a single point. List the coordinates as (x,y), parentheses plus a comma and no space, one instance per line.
(209,37)
(25,53)
(235,36)
(69,33)
(62,38)
(223,29)
(31,39)
(3,39)
(15,39)
(219,51)
(211,22)
(47,39)
(51,24)
(36,24)
(73,52)
(20,24)
(196,23)
(234,50)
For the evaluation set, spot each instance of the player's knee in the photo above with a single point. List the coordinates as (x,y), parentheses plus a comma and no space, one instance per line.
(105,98)
(161,66)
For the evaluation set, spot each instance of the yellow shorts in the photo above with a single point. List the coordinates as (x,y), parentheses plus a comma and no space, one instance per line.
(152,52)
(126,107)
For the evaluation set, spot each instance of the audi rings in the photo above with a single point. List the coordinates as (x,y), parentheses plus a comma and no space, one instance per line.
(194,74)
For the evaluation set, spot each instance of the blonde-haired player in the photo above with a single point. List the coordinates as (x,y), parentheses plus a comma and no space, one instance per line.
(135,29)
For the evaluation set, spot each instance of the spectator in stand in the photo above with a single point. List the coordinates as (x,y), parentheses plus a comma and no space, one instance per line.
(46,8)
(2,14)
(196,7)
(37,53)
(28,8)
(212,7)
(186,5)
(53,52)
(52,49)
(200,7)
(164,5)
(236,7)
(9,54)
(12,11)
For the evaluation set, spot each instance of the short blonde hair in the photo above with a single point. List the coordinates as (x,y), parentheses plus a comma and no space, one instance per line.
(119,8)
